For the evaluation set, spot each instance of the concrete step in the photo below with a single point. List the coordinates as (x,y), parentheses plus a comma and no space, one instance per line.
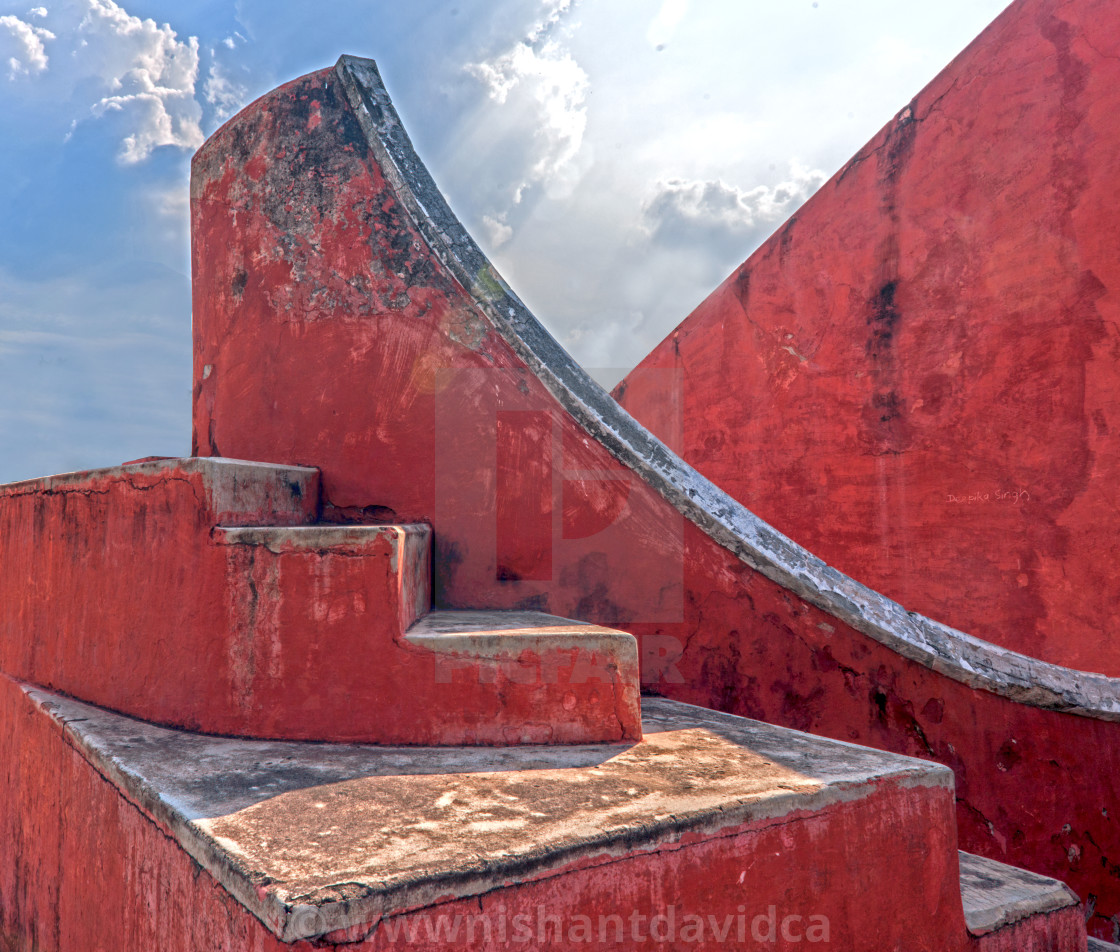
(401,552)
(1099,945)
(712,832)
(1004,904)
(537,677)
(350,602)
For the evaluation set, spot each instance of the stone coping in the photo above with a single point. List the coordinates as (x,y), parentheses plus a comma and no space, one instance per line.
(213,466)
(234,490)
(320,535)
(498,634)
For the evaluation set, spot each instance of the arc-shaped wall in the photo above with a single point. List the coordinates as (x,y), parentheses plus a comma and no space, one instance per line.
(324,255)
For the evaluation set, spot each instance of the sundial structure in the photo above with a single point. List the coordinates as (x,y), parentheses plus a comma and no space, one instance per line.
(366,668)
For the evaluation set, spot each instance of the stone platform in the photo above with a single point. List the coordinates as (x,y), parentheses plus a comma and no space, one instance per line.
(712,823)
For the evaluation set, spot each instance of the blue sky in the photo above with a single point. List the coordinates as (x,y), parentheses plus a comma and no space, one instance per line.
(616,158)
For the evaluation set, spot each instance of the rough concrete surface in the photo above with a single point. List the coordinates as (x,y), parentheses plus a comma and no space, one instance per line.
(279,539)
(507,634)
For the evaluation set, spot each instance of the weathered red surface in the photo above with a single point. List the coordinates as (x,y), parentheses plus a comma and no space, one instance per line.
(1058,930)
(916,378)
(879,873)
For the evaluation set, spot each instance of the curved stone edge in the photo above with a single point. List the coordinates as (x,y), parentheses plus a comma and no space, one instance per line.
(954,654)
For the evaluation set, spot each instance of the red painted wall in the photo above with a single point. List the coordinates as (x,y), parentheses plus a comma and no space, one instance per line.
(917,377)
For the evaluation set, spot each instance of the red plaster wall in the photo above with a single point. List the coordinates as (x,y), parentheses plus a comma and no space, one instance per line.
(917,378)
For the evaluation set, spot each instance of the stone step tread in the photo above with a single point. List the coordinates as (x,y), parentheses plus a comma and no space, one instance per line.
(444,621)
(1099,945)
(997,895)
(489,633)
(406,822)
(317,535)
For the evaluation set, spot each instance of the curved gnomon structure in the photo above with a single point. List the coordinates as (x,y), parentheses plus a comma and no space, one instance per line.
(945,650)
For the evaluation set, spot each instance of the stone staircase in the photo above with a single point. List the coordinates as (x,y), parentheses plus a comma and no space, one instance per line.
(238,613)
(561,681)
(227,722)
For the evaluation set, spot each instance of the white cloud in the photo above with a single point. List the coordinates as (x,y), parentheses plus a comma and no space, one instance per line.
(498,230)
(683,211)
(554,12)
(32,56)
(663,26)
(643,257)
(37,12)
(541,85)
(151,75)
(223,93)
